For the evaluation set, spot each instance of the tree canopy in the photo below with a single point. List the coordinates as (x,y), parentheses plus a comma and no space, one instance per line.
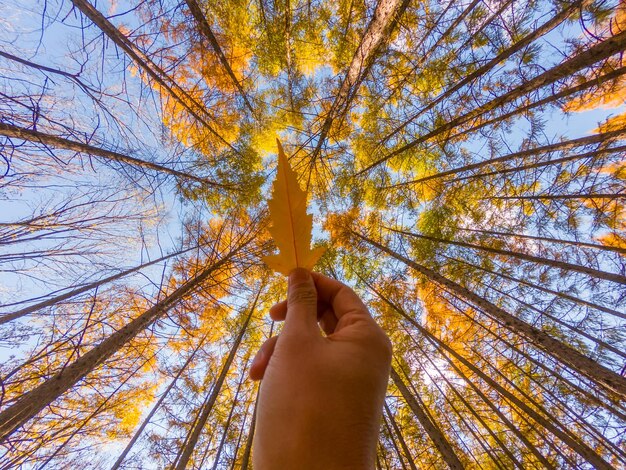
(466,168)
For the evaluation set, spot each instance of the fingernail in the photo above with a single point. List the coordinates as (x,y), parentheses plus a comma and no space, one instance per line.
(298,276)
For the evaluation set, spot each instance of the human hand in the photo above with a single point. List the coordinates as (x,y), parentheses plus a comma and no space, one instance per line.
(321,397)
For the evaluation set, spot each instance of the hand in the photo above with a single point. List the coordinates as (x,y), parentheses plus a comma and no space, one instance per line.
(321,397)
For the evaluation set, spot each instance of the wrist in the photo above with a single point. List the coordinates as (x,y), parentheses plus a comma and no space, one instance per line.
(319,443)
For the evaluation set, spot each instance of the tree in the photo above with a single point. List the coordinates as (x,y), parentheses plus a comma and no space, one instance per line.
(455,182)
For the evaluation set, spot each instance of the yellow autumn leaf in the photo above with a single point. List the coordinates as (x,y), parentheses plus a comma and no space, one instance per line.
(291,225)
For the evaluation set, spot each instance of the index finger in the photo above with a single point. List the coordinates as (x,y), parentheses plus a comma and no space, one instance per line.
(342,299)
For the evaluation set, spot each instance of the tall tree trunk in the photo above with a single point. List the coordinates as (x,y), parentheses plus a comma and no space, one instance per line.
(561,295)
(156,406)
(524,236)
(565,354)
(4,318)
(197,110)
(594,54)
(207,406)
(523,256)
(392,438)
(500,58)
(545,149)
(51,435)
(614,75)
(580,447)
(581,332)
(233,462)
(220,447)
(578,330)
(205,30)
(431,428)
(378,32)
(245,460)
(31,403)
(531,166)
(548,197)
(30,135)
(591,397)
(593,154)
(494,408)
(426,56)
(403,444)
(472,429)
(474,413)
(553,398)
(93,413)
(555,401)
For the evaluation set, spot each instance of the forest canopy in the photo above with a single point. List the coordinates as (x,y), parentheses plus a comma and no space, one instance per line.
(465,165)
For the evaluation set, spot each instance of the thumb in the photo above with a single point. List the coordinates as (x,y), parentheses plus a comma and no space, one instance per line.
(301,303)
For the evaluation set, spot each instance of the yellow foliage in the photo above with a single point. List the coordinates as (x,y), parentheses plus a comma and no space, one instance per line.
(609,95)
(214,73)
(310,55)
(617,169)
(612,239)
(453,327)
(619,20)
(613,124)
(264,139)
(614,212)
(612,93)
(437,311)
(339,225)
(130,407)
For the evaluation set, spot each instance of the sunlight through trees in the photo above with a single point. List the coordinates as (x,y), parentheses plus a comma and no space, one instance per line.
(466,169)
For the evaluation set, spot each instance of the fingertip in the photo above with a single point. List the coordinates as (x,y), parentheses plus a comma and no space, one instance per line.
(299,276)
(278,311)
(256,368)
(262,358)
(255,373)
